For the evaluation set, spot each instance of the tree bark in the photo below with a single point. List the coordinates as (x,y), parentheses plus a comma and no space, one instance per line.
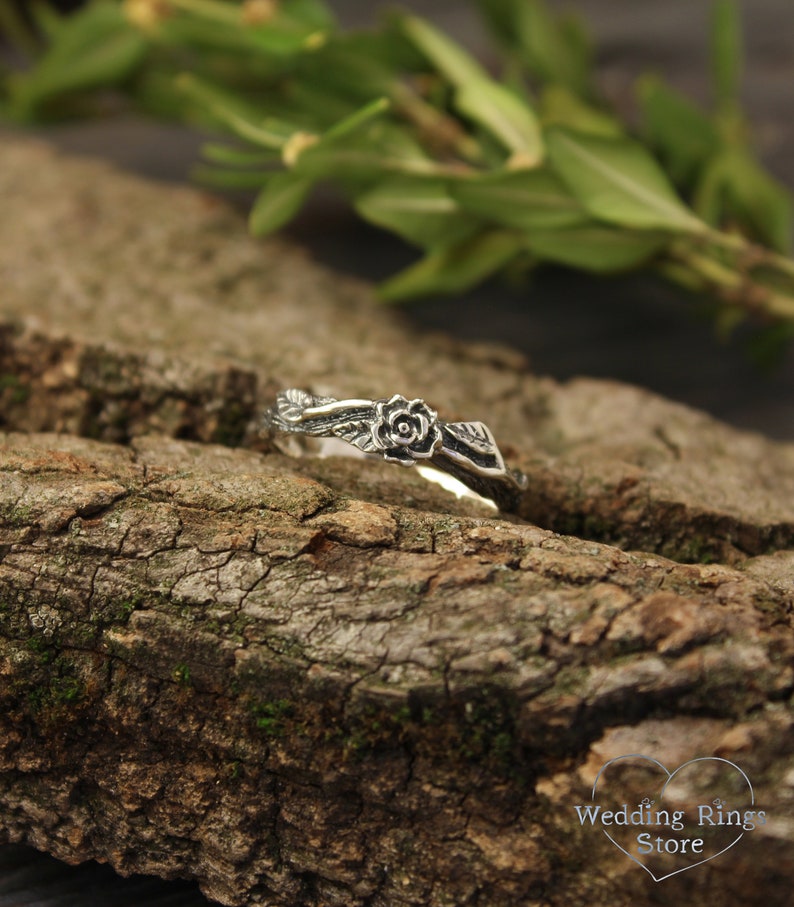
(327,681)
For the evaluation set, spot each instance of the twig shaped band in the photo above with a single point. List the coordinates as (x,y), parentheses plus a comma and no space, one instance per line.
(406,432)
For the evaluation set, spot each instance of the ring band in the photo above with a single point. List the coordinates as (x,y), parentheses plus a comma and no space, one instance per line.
(406,432)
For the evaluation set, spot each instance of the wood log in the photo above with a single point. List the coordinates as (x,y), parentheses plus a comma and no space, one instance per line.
(328,681)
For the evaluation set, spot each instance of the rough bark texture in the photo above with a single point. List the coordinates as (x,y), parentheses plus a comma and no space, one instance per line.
(326,681)
(145,309)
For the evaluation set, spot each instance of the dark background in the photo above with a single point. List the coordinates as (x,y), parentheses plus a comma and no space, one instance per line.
(633,329)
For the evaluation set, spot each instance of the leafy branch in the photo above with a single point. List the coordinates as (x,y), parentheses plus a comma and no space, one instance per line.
(482,173)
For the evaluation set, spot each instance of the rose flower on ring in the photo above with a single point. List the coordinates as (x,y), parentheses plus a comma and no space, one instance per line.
(406,430)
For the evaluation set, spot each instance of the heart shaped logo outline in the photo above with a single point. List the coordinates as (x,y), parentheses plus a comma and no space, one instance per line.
(670,776)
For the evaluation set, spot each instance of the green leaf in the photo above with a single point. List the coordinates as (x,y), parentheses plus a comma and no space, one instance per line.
(561,107)
(524,199)
(327,154)
(420,210)
(733,189)
(617,181)
(214,10)
(504,115)
(603,250)
(355,67)
(155,92)
(94,47)
(683,136)
(579,51)
(555,51)
(763,203)
(445,54)
(500,17)
(278,202)
(230,111)
(356,121)
(48,20)
(709,199)
(360,161)
(362,147)
(209,26)
(488,103)
(315,14)
(285,39)
(455,269)
(275,41)
(726,52)
(315,102)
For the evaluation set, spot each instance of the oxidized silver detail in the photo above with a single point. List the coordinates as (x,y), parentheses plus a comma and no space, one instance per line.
(406,432)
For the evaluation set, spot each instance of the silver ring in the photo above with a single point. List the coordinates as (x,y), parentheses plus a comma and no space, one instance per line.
(406,432)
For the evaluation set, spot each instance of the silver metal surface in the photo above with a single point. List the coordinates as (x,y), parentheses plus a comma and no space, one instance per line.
(407,432)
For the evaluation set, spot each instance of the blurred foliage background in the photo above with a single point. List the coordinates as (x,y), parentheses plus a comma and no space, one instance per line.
(498,169)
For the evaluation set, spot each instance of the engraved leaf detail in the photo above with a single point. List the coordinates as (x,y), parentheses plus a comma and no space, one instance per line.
(292,403)
(474,434)
(359,434)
